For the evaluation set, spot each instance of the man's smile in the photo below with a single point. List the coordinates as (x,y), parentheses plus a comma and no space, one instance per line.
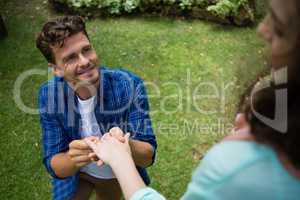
(86,72)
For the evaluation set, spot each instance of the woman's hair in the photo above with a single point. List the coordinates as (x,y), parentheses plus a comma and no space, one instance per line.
(264,102)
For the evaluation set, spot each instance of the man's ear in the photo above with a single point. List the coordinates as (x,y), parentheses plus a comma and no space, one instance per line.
(56,70)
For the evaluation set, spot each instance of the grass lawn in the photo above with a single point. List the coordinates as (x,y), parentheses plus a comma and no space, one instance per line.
(180,57)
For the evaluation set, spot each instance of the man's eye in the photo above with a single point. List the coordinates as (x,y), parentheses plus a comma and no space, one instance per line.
(87,49)
(71,58)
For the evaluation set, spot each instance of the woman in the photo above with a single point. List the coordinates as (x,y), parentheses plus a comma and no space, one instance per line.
(262,161)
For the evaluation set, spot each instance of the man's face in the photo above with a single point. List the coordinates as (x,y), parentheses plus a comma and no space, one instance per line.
(77,62)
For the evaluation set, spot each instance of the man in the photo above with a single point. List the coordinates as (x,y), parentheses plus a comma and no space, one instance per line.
(84,100)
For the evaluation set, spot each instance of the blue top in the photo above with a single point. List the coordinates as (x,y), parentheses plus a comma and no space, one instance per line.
(121,101)
(237,170)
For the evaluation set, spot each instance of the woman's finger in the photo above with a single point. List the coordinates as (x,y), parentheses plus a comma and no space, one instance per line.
(126,138)
(105,136)
(121,139)
(116,131)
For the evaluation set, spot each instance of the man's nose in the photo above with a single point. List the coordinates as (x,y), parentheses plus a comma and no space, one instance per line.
(83,61)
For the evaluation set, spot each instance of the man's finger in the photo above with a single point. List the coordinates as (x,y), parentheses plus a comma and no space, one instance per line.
(79,159)
(78,152)
(79,144)
(93,138)
(92,154)
(82,164)
(93,157)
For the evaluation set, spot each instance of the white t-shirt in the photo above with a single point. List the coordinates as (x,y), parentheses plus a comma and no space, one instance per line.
(89,127)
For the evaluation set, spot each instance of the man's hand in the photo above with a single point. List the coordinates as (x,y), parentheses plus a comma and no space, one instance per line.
(142,152)
(79,152)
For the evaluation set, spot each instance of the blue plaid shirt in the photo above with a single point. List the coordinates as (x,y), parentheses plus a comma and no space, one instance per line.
(121,101)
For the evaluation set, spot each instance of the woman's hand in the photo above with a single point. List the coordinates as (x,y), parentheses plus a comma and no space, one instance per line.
(109,149)
(117,154)
(117,133)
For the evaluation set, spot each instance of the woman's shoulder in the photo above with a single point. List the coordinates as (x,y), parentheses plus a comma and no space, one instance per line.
(223,165)
(235,152)
(229,157)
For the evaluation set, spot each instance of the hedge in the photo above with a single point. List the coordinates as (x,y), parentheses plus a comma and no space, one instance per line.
(238,12)
(3,31)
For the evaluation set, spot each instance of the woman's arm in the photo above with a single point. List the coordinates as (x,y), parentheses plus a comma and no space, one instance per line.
(118,156)
(127,175)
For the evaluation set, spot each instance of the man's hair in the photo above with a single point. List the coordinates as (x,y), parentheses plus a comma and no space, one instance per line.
(56,31)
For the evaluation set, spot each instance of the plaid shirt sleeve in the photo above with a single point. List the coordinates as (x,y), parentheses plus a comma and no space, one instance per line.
(53,138)
(139,119)
(54,141)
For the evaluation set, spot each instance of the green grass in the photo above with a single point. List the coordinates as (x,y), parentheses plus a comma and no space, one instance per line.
(160,51)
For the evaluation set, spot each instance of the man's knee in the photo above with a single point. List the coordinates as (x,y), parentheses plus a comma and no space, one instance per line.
(84,189)
(108,189)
